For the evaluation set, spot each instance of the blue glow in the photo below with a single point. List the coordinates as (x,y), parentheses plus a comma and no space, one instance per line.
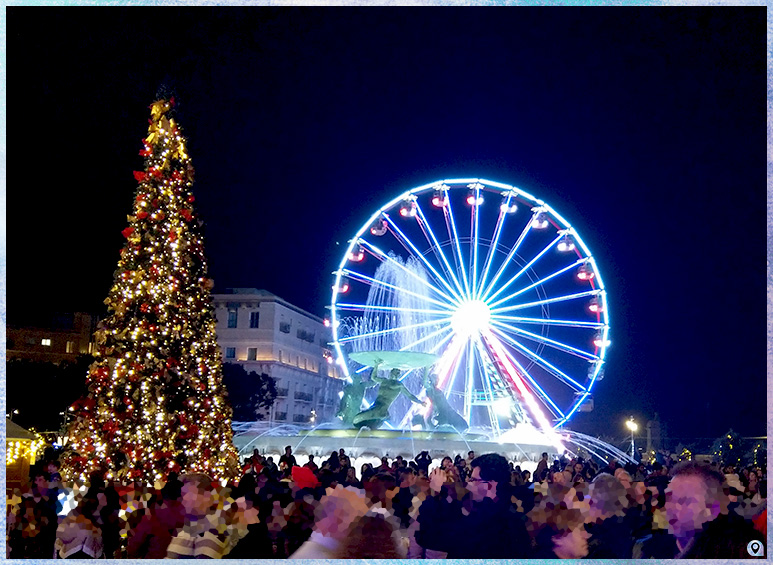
(361,307)
(387,331)
(537,283)
(551,342)
(419,254)
(492,248)
(507,260)
(550,404)
(475,215)
(366,278)
(555,371)
(546,301)
(386,257)
(450,213)
(424,224)
(550,322)
(523,270)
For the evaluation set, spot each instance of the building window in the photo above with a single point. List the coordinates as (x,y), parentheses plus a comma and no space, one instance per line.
(281,356)
(252,353)
(232,317)
(70,347)
(46,342)
(284,327)
(230,353)
(254,319)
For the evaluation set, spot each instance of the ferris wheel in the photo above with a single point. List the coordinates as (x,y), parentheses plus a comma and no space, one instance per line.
(492,280)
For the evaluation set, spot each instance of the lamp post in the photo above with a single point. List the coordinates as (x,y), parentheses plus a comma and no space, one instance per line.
(633,426)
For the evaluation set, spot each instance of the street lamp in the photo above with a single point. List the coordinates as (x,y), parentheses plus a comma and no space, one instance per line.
(633,426)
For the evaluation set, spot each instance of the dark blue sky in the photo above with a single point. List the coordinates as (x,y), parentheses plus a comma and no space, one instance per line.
(644,127)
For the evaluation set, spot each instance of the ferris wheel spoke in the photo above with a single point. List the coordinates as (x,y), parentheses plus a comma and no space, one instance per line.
(387,331)
(547,248)
(547,341)
(544,397)
(564,298)
(448,211)
(538,283)
(409,244)
(437,249)
(384,256)
(367,279)
(548,321)
(492,248)
(445,328)
(364,307)
(474,238)
(510,255)
(534,356)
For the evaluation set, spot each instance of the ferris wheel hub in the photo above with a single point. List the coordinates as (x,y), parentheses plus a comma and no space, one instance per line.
(471,318)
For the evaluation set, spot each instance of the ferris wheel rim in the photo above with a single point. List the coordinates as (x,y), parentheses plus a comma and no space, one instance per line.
(597,286)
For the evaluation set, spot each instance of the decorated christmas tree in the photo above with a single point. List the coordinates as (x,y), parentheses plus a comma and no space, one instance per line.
(156,402)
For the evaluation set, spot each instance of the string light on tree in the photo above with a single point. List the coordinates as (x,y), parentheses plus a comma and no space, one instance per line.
(156,401)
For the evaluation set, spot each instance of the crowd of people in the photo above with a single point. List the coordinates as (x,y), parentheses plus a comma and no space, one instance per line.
(472,507)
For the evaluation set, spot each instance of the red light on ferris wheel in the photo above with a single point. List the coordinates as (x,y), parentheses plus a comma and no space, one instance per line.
(585,272)
(595,306)
(357,254)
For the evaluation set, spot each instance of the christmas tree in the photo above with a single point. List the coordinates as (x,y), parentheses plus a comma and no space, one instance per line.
(156,402)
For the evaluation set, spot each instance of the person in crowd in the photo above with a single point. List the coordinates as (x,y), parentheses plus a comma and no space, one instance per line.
(203,535)
(483,525)
(351,479)
(311,465)
(373,536)
(79,535)
(542,467)
(557,526)
(611,536)
(288,458)
(333,518)
(423,460)
(700,524)
(151,538)
(526,476)
(32,526)
(254,540)
(385,467)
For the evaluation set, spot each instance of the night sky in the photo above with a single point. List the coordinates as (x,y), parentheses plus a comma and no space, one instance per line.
(644,127)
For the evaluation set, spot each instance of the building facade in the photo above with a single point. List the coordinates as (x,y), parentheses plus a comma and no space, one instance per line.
(266,334)
(62,338)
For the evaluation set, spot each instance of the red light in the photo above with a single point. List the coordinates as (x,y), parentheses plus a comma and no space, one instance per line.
(345,287)
(408,210)
(595,306)
(438,201)
(585,273)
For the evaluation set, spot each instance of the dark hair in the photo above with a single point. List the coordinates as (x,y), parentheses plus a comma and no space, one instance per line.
(370,537)
(711,478)
(493,467)
(288,447)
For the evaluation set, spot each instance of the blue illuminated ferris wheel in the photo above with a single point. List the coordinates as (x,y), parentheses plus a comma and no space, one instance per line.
(492,280)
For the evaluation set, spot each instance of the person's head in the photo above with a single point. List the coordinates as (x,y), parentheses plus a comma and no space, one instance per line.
(526,476)
(311,459)
(53,467)
(607,497)
(377,486)
(341,452)
(172,490)
(350,474)
(490,475)
(269,460)
(373,536)
(470,455)
(337,509)
(394,373)
(693,498)
(624,477)
(384,461)
(578,467)
(405,477)
(197,495)
(446,463)
(545,455)
(557,525)
(40,480)
(558,478)
(288,450)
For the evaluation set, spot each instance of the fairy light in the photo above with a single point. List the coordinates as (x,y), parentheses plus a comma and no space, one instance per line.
(157,340)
